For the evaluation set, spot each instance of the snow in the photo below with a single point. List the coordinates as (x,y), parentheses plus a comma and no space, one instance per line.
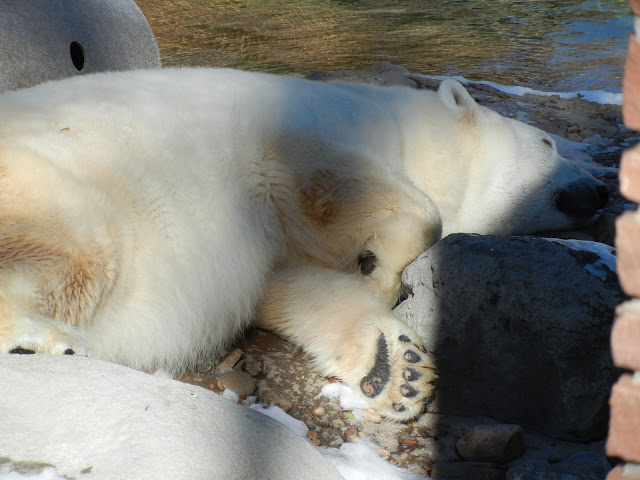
(296,426)
(606,254)
(349,400)
(597,96)
(354,461)
(360,461)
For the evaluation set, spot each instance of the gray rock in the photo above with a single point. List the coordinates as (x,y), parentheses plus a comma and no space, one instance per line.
(41,40)
(94,420)
(467,470)
(492,443)
(580,466)
(240,382)
(520,329)
(586,465)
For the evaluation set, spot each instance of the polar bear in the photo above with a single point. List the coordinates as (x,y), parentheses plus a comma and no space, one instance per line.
(148,217)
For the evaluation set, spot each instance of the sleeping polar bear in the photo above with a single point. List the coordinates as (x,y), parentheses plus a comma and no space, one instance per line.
(148,217)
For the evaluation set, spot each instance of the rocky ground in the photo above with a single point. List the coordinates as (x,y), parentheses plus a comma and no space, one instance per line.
(274,372)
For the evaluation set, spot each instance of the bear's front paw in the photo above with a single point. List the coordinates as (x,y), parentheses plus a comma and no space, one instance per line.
(42,335)
(402,377)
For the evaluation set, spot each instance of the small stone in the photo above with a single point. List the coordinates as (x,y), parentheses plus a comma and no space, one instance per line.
(313,438)
(238,381)
(229,361)
(337,423)
(492,443)
(384,454)
(273,397)
(351,433)
(372,416)
(318,411)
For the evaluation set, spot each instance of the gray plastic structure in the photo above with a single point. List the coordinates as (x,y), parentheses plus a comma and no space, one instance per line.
(43,40)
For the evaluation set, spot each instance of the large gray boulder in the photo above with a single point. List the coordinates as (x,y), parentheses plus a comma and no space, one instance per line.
(520,329)
(92,419)
(44,40)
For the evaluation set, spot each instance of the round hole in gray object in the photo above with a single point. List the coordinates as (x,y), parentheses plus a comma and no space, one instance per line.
(77,55)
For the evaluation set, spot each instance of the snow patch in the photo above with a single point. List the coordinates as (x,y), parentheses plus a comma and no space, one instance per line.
(605,252)
(276,413)
(349,399)
(596,96)
(360,461)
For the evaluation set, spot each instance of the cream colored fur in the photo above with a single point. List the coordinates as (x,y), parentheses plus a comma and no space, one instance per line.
(145,215)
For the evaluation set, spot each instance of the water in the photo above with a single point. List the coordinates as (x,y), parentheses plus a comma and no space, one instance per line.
(548,45)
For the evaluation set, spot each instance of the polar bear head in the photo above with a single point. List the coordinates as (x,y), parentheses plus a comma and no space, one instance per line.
(514,179)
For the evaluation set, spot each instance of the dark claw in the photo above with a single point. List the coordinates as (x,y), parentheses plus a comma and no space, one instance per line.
(411,374)
(408,391)
(411,356)
(22,351)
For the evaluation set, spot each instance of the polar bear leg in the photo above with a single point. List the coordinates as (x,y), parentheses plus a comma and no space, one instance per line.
(350,333)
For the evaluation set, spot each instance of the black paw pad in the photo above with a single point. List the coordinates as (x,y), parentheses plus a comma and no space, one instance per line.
(367,262)
(398,407)
(22,351)
(69,351)
(411,374)
(375,381)
(411,356)
(408,391)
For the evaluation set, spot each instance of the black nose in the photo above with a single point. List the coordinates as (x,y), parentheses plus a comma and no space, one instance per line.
(582,199)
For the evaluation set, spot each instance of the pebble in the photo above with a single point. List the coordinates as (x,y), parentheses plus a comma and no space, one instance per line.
(384,454)
(372,416)
(229,361)
(274,397)
(238,381)
(351,433)
(492,443)
(313,438)
(337,423)
(318,411)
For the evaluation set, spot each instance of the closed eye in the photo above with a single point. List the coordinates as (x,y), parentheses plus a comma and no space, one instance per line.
(548,142)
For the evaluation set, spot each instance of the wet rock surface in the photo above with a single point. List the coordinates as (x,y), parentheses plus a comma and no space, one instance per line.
(590,133)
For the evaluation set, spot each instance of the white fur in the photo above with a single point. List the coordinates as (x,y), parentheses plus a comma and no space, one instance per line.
(149,209)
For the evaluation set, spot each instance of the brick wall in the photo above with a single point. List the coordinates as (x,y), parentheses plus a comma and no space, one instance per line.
(624,427)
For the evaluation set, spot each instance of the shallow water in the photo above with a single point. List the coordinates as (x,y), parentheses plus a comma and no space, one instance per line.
(557,45)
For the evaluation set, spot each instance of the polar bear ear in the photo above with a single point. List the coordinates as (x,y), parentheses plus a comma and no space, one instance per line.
(455,96)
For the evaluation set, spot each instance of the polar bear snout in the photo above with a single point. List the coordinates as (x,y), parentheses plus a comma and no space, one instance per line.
(581,200)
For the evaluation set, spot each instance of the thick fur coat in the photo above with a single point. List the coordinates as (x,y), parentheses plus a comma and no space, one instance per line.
(148,217)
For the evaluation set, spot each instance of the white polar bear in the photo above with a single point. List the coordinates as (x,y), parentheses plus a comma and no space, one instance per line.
(148,217)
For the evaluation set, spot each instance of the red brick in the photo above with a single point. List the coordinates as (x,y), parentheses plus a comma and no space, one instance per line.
(631,86)
(617,474)
(624,427)
(628,253)
(635,6)
(625,338)
(630,174)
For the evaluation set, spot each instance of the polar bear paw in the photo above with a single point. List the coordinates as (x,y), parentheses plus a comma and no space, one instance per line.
(42,335)
(401,379)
